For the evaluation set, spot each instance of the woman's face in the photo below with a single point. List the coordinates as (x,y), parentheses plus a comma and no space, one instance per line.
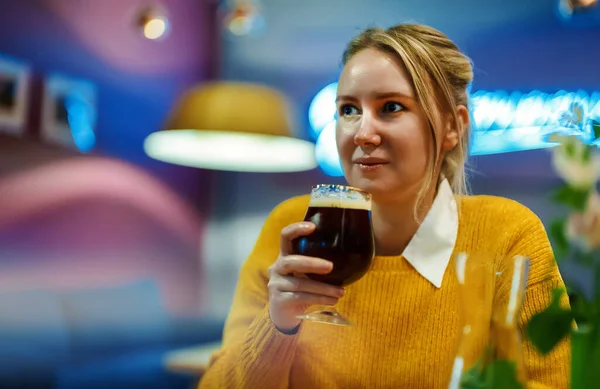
(382,133)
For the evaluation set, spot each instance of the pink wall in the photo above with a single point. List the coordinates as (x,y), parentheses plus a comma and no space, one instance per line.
(80,222)
(125,221)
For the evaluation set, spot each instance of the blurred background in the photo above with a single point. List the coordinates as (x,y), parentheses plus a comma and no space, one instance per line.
(144,142)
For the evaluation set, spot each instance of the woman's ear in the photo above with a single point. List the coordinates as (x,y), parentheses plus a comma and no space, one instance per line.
(455,131)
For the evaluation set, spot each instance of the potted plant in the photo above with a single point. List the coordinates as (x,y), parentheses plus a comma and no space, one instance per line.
(575,237)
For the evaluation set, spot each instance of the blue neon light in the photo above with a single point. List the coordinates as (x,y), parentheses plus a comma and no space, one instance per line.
(322,109)
(81,120)
(502,121)
(326,152)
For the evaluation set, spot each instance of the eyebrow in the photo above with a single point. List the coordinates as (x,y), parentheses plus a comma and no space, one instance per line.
(376,96)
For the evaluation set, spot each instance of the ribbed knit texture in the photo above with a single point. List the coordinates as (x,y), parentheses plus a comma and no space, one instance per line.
(406,330)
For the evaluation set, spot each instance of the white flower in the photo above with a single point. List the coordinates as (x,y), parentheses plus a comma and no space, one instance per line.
(574,117)
(583,229)
(575,162)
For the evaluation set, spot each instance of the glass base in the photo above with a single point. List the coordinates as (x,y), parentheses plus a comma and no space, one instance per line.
(327,315)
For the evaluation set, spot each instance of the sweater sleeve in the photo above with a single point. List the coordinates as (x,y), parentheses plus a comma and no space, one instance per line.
(549,371)
(254,353)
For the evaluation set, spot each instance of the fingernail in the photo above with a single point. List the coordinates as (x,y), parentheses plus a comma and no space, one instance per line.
(341,291)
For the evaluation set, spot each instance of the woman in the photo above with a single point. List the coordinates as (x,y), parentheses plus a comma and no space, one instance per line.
(402,135)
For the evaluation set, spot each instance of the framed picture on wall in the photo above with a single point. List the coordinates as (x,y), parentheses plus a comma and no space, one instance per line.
(15,76)
(69,112)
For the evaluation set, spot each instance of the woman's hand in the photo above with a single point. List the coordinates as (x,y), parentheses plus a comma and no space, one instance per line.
(290,291)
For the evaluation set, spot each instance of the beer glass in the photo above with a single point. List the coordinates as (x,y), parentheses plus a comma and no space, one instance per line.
(491,289)
(343,235)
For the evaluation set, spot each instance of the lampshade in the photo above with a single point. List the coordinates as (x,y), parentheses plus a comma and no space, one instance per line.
(232,126)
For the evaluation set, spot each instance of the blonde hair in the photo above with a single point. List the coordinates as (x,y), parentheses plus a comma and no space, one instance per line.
(441,76)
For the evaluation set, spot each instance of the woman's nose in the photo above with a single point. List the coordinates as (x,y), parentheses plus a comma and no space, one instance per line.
(367,134)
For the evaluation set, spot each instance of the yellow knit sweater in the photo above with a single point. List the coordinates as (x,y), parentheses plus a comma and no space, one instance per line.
(406,330)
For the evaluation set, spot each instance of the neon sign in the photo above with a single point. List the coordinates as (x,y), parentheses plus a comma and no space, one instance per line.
(501,121)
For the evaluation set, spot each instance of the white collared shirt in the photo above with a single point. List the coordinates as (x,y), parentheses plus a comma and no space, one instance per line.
(430,249)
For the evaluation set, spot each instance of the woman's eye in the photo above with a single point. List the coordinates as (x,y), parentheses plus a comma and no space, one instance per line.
(347,110)
(392,107)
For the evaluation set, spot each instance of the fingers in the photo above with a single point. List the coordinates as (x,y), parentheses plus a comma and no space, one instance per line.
(304,285)
(290,295)
(292,264)
(304,298)
(292,232)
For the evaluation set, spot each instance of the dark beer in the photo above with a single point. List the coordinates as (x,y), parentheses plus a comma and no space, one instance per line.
(343,235)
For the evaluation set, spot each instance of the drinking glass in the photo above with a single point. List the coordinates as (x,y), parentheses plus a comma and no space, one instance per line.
(343,235)
(491,291)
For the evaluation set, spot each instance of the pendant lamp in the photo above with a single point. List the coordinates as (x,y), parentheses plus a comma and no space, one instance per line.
(232,126)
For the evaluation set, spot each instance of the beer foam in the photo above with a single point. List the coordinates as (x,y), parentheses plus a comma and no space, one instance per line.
(358,204)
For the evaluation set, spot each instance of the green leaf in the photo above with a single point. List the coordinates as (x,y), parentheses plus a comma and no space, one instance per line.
(548,327)
(596,286)
(473,378)
(573,197)
(594,358)
(560,243)
(585,357)
(503,374)
(581,307)
(596,128)
(574,289)
(582,342)
(500,374)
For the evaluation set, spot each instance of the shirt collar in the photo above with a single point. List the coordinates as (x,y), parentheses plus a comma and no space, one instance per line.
(430,249)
